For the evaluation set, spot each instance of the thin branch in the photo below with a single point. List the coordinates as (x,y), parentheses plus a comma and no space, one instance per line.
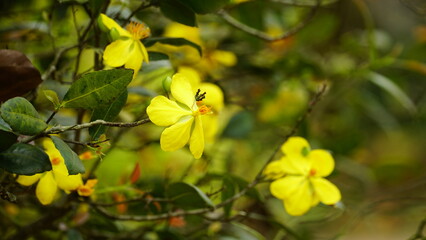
(61,129)
(52,66)
(264,36)
(419,233)
(141,7)
(297,3)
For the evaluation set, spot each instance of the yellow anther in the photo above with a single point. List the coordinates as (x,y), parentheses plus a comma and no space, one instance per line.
(138,30)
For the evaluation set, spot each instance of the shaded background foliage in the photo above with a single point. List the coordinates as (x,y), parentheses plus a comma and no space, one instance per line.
(370,54)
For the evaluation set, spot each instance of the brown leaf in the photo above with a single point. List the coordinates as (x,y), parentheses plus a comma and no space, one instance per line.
(17,74)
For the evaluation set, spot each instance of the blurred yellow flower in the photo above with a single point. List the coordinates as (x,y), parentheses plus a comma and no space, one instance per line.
(182,116)
(212,62)
(299,177)
(50,181)
(126,49)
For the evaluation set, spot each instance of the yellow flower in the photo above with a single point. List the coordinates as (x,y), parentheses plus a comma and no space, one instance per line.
(88,188)
(127,49)
(215,99)
(182,116)
(299,177)
(212,62)
(50,181)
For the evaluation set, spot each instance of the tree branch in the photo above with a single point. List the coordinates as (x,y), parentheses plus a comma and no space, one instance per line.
(61,129)
(265,36)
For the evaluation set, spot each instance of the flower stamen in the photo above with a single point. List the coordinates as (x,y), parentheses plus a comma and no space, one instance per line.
(198,96)
(138,30)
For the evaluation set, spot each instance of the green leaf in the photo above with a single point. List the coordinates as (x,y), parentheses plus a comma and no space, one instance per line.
(157,56)
(176,11)
(107,113)
(393,89)
(97,88)
(22,116)
(245,232)
(188,196)
(203,7)
(52,96)
(72,161)
(25,159)
(7,139)
(171,41)
(4,126)
(239,126)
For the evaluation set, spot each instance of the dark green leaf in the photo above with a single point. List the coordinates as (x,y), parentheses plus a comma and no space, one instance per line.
(108,113)
(239,126)
(157,56)
(171,41)
(178,12)
(97,88)
(203,7)
(73,234)
(7,139)
(170,234)
(22,116)
(188,196)
(25,159)
(72,161)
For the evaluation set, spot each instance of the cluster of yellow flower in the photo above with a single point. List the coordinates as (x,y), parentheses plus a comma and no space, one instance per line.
(58,177)
(190,117)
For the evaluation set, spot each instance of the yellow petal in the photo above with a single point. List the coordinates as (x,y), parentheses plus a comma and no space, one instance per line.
(300,201)
(182,90)
(326,191)
(210,126)
(28,180)
(135,57)
(322,162)
(177,135)
(193,76)
(274,170)
(46,188)
(214,96)
(296,165)
(118,52)
(179,30)
(68,182)
(225,58)
(295,146)
(196,142)
(110,24)
(285,187)
(164,112)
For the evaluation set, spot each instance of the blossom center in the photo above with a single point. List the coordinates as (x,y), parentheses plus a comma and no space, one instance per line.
(312,172)
(138,30)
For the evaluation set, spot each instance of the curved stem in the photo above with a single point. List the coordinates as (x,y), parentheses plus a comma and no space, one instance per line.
(264,36)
